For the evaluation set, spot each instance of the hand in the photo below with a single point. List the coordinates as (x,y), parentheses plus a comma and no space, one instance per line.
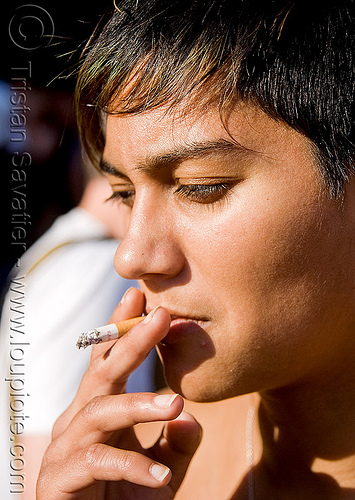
(95,453)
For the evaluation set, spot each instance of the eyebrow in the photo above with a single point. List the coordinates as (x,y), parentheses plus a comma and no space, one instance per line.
(194,150)
(108,168)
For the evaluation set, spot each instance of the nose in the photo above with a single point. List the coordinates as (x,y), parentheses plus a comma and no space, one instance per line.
(150,246)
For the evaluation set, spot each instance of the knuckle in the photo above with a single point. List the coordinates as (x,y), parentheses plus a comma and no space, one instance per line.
(95,367)
(139,349)
(94,408)
(102,368)
(50,456)
(57,429)
(126,463)
(135,405)
(133,400)
(98,457)
(94,456)
(59,426)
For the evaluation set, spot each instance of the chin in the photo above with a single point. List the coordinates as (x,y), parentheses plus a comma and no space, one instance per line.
(207,382)
(199,385)
(197,373)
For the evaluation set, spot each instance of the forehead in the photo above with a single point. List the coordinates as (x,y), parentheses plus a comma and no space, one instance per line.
(132,138)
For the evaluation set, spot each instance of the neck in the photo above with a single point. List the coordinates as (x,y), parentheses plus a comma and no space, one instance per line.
(309,429)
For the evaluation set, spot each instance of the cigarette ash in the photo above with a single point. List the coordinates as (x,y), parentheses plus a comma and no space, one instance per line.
(88,338)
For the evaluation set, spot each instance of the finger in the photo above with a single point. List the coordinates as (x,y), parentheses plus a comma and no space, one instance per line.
(113,367)
(108,372)
(130,306)
(99,462)
(104,415)
(177,446)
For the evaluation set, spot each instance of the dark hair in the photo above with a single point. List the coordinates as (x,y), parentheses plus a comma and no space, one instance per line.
(293,59)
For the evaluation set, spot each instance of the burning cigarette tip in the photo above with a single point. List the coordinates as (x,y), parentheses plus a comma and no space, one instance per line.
(105,333)
(88,338)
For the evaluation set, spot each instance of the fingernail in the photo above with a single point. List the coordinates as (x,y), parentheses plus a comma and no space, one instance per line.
(159,472)
(149,317)
(164,400)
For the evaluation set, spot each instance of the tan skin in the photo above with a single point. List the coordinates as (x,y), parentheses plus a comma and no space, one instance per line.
(252,265)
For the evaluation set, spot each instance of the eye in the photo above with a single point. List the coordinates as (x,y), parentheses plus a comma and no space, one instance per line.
(125,197)
(203,193)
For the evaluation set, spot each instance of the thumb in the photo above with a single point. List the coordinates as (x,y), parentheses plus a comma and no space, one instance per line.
(177,445)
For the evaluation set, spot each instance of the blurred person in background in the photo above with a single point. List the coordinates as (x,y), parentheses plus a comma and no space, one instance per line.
(66,256)
(65,284)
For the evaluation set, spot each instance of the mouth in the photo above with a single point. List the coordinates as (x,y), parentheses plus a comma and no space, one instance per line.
(180,319)
(183,326)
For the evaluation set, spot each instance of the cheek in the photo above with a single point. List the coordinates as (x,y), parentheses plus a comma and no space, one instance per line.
(258,247)
(273,268)
(276,291)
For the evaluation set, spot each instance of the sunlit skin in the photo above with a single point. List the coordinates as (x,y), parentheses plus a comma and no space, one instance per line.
(231,231)
(239,240)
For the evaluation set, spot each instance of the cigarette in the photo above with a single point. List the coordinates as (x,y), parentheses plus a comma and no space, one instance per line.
(108,332)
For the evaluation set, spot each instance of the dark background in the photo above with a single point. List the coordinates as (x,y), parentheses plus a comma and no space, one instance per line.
(50,36)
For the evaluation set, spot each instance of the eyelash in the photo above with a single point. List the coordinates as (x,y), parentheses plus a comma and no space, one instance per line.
(200,193)
(125,197)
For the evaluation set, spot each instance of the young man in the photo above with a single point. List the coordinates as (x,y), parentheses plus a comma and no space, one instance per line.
(225,131)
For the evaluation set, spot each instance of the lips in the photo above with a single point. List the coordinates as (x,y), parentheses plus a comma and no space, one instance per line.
(183,326)
(177,320)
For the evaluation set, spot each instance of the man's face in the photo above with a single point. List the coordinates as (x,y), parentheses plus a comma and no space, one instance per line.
(232,233)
